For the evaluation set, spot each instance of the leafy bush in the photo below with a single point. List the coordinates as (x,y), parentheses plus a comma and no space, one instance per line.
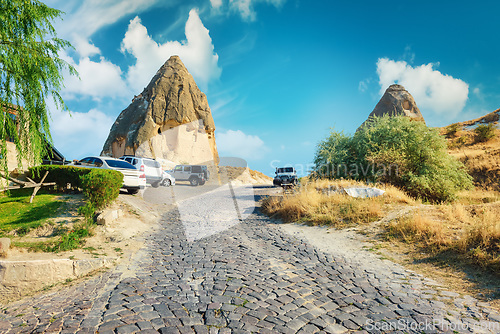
(334,155)
(484,132)
(451,130)
(61,175)
(396,150)
(101,186)
(88,211)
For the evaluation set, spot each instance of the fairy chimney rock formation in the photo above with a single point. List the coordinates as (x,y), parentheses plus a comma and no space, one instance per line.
(169,120)
(396,101)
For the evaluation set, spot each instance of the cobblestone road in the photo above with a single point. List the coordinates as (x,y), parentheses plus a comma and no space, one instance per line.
(251,278)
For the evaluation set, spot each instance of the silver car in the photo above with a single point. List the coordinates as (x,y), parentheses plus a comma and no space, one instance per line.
(133,179)
(168,180)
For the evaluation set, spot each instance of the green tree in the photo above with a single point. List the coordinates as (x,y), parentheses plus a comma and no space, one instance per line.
(334,155)
(400,151)
(30,74)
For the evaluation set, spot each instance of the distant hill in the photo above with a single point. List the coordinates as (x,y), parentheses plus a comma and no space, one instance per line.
(482,159)
(242,175)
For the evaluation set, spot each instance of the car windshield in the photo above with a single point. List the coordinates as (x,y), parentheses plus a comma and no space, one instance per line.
(119,164)
(285,170)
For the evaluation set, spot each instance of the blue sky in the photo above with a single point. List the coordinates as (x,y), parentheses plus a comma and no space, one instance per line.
(278,74)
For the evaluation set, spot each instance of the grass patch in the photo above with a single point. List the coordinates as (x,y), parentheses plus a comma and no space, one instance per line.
(19,216)
(323,203)
(459,235)
(34,246)
(71,240)
(16,213)
(418,228)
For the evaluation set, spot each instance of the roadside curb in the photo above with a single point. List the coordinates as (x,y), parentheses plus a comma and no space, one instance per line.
(20,278)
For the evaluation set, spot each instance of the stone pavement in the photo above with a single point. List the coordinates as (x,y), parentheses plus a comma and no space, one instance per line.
(251,278)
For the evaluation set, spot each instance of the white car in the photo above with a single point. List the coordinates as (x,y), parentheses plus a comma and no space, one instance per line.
(150,167)
(133,179)
(167,180)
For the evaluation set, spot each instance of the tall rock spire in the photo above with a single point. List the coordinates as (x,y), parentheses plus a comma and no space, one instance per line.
(169,120)
(396,101)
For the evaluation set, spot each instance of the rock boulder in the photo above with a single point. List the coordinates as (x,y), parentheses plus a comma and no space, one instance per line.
(396,101)
(169,120)
(4,246)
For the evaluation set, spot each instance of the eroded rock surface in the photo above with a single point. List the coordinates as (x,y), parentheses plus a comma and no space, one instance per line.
(396,101)
(169,120)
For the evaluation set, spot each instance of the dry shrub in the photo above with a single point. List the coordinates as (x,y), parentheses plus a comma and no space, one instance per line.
(341,210)
(392,194)
(396,195)
(485,132)
(483,164)
(418,228)
(292,207)
(471,232)
(478,196)
(482,240)
(323,202)
(456,213)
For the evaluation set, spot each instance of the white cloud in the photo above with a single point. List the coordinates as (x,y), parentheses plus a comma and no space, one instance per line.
(409,55)
(84,18)
(84,47)
(431,89)
(246,7)
(216,4)
(363,85)
(98,79)
(80,134)
(238,144)
(197,52)
(306,143)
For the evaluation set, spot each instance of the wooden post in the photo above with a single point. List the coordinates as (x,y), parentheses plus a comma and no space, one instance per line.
(37,187)
(30,184)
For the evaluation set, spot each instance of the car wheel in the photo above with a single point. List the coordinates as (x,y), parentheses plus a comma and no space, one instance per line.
(166,183)
(194,181)
(202,183)
(132,191)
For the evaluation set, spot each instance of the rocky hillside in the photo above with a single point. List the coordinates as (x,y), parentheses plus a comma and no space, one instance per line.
(482,158)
